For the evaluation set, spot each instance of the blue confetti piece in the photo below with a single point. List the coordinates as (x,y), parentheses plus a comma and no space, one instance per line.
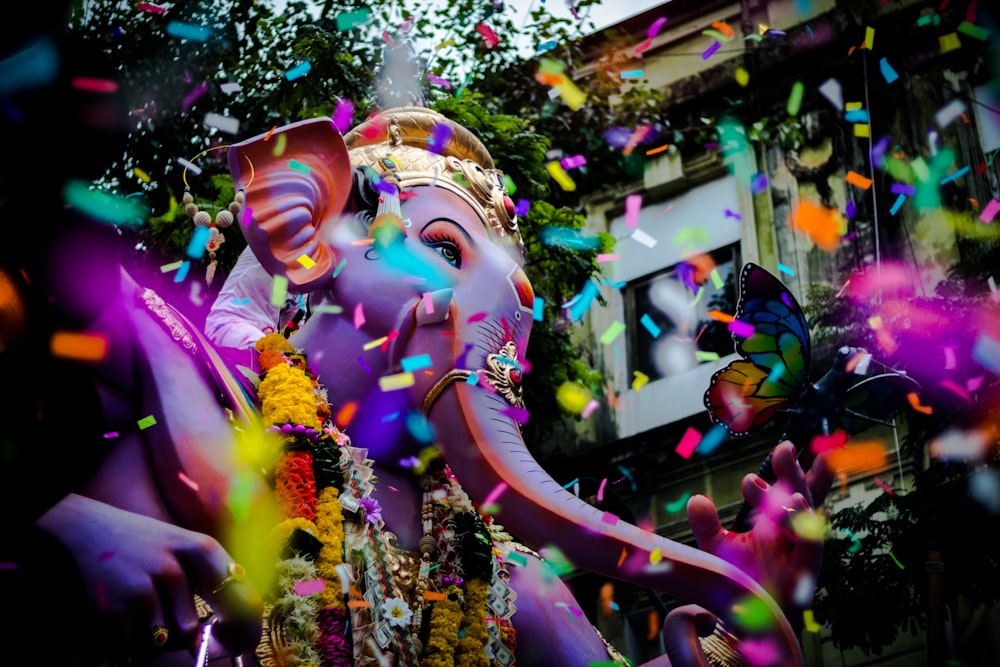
(575,481)
(564,237)
(547,46)
(472,379)
(776,373)
(650,325)
(196,33)
(439,137)
(958,174)
(785,269)
(712,439)
(196,246)
(538,310)
(887,71)
(392,416)
(758,183)
(523,205)
(897,205)
(182,272)
(415,362)
(581,303)
(856,116)
(419,427)
(298,71)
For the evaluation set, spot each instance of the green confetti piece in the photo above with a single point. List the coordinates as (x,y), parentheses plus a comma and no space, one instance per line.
(146,422)
(612,332)
(299,167)
(173,266)
(508,183)
(517,559)
(103,206)
(795,98)
(706,356)
(752,614)
(973,31)
(279,287)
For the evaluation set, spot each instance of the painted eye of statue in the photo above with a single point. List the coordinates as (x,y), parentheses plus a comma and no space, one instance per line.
(445,247)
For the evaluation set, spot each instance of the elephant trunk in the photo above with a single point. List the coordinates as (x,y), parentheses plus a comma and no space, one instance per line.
(484,447)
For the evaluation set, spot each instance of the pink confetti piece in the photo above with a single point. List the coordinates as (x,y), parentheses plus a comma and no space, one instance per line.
(689,442)
(428,303)
(343,115)
(493,495)
(520,415)
(247,216)
(990,211)
(949,358)
(655,26)
(111,434)
(610,519)
(477,317)
(490,38)
(444,83)
(93,85)
(187,480)
(632,205)
(151,8)
(600,490)
(973,384)
(589,409)
(608,257)
(742,329)
(885,487)
(359,316)
(951,386)
(309,587)
(190,98)
(824,443)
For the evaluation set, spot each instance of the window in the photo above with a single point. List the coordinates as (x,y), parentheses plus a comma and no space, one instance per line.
(670,330)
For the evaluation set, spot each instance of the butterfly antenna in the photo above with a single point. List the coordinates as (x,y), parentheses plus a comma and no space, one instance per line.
(870,419)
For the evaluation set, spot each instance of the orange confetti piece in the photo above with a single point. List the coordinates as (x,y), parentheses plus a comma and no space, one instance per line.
(84,347)
(431,596)
(854,178)
(621,559)
(724,29)
(720,316)
(915,404)
(818,223)
(358,603)
(858,457)
(346,414)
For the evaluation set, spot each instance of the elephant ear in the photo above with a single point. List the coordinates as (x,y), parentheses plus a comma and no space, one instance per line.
(297,180)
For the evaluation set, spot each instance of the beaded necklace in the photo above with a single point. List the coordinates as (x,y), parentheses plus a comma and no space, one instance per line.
(346,594)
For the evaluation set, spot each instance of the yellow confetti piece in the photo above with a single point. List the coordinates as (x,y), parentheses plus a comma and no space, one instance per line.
(949,42)
(862,130)
(375,343)
(655,556)
(307,261)
(811,624)
(869,38)
(742,77)
(84,347)
(396,381)
(141,175)
(640,381)
(809,526)
(173,266)
(561,177)
(716,279)
(854,106)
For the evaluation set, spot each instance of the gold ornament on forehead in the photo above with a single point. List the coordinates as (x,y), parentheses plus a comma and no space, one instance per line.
(398,144)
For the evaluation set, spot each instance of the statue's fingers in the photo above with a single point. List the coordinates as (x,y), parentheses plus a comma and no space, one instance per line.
(820,478)
(704,519)
(787,469)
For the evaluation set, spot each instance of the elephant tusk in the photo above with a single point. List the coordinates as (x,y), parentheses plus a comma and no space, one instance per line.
(453,375)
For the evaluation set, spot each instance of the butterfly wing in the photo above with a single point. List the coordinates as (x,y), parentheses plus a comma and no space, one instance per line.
(780,341)
(747,393)
(741,398)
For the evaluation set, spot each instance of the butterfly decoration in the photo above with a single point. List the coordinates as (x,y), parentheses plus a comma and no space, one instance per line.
(772,375)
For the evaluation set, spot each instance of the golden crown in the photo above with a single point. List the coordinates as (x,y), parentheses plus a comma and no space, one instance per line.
(400,145)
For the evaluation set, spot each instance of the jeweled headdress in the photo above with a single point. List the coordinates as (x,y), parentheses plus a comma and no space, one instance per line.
(414,145)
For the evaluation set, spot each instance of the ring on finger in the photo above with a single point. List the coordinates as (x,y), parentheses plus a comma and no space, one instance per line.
(237,574)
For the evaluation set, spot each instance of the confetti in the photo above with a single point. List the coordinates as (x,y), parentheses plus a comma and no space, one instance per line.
(795,98)
(758,183)
(609,518)
(102,206)
(741,329)
(538,309)
(786,270)
(415,362)
(742,77)
(182,271)
(309,587)
(561,177)
(973,31)
(298,71)
(93,85)
(490,38)
(643,238)
(810,621)
(869,38)
(818,223)
(639,381)
(146,422)
(151,8)
(83,347)
(650,325)
(359,316)
(689,442)
(222,123)
(607,257)
(707,53)
(230,87)
(612,332)
(949,42)
(990,211)
(195,33)
(949,112)
(854,178)
(888,73)
(350,20)
(633,203)
(832,90)
(396,381)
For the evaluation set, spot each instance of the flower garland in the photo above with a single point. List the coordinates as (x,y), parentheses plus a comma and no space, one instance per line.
(442,622)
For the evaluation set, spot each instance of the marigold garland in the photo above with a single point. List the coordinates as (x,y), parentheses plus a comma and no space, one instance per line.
(446,618)
(473,635)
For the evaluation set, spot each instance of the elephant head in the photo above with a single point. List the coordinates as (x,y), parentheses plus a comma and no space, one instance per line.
(421,307)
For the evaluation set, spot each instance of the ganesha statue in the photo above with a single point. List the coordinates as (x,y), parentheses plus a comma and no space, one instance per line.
(418,529)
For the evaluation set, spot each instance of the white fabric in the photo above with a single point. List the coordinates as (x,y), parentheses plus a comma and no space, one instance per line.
(243,312)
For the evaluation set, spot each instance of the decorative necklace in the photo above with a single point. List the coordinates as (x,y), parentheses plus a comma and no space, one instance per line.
(345,593)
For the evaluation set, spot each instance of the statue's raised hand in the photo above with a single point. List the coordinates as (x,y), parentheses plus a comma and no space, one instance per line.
(139,575)
(784,548)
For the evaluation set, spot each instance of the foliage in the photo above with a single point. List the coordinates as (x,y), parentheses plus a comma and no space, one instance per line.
(954,498)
